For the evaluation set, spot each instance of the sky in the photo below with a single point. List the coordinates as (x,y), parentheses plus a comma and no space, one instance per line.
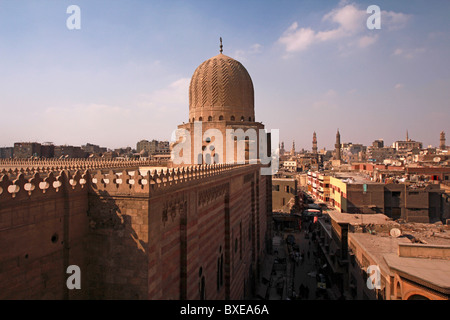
(124,75)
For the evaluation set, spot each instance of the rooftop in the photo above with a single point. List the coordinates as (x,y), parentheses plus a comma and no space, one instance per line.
(357,219)
(353,177)
(429,271)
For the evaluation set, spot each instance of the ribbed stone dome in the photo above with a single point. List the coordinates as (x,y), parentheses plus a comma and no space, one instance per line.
(221,89)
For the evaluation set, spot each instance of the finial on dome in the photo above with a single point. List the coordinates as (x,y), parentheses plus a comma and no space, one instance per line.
(221,46)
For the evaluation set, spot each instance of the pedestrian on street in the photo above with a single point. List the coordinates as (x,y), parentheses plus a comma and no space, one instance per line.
(302,290)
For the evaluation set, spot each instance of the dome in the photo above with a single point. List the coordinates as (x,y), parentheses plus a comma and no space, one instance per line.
(221,89)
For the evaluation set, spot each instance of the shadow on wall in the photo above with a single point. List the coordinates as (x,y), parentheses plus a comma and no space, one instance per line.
(118,261)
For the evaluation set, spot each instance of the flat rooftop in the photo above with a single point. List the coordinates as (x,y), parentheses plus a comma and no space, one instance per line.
(283,179)
(434,272)
(384,250)
(358,218)
(353,177)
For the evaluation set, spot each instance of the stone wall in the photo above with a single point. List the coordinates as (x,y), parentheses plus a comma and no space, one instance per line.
(43,229)
(185,233)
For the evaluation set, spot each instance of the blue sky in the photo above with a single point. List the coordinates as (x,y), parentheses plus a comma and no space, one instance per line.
(315,66)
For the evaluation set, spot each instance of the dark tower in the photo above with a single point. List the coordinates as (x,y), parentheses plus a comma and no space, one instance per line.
(314,143)
(337,146)
(442,140)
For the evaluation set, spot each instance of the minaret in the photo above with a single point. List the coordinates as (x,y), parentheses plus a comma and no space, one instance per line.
(314,143)
(282,148)
(293,148)
(337,146)
(407,136)
(442,140)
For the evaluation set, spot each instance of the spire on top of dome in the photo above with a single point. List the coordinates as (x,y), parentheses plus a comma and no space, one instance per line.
(221,46)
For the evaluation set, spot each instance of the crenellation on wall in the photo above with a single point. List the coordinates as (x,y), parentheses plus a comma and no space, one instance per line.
(135,234)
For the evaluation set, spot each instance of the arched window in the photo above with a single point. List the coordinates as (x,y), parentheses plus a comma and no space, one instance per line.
(202,289)
(249,118)
(242,118)
(200,119)
(193,119)
(221,118)
(418,297)
(209,118)
(232,118)
(201,284)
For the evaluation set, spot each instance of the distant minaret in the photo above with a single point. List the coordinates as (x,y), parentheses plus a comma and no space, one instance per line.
(314,143)
(407,136)
(282,147)
(442,140)
(337,146)
(293,148)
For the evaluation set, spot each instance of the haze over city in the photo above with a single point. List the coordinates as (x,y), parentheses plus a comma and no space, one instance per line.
(124,76)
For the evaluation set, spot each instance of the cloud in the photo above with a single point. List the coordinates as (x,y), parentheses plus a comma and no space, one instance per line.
(256,48)
(366,41)
(173,97)
(347,22)
(408,53)
(394,20)
(243,55)
(153,112)
(297,40)
(349,18)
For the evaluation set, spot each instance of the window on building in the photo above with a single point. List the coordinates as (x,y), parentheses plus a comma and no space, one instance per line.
(220,269)
(201,284)
(240,242)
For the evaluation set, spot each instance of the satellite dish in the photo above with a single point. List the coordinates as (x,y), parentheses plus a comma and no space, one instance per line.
(395,232)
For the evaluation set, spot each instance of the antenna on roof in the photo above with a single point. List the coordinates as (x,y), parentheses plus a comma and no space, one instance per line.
(221,46)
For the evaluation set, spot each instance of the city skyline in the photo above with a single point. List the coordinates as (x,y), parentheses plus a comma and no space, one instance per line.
(124,76)
(286,148)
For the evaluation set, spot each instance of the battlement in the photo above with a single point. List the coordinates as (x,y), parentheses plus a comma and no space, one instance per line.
(19,184)
(49,165)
